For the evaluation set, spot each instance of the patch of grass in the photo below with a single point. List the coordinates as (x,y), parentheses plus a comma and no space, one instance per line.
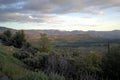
(11,66)
(17,70)
(9,50)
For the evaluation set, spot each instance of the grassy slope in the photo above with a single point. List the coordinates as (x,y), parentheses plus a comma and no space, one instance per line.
(14,69)
(9,65)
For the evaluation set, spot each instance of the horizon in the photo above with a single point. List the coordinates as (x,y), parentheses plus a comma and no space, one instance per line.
(60,30)
(68,15)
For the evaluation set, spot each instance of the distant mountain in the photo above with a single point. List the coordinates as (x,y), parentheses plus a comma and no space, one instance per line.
(103,34)
(106,34)
(35,34)
(4,28)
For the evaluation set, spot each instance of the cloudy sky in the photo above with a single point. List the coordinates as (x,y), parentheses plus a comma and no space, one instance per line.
(100,15)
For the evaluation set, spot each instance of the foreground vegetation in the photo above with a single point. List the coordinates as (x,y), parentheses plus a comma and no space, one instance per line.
(23,61)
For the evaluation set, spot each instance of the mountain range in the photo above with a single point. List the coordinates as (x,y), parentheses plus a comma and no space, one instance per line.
(115,34)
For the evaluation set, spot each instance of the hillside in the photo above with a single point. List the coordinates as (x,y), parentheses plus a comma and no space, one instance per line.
(34,34)
(71,56)
(10,67)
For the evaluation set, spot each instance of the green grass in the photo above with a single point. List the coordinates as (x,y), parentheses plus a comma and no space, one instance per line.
(17,70)
(11,66)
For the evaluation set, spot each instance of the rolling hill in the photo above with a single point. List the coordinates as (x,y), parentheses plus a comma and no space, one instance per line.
(35,34)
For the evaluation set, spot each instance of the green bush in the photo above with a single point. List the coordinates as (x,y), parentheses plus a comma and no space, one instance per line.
(44,43)
(53,76)
(41,76)
(21,55)
(111,64)
(18,39)
(35,76)
(6,37)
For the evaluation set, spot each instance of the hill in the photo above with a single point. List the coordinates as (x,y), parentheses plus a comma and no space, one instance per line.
(104,34)
(4,28)
(34,34)
(74,55)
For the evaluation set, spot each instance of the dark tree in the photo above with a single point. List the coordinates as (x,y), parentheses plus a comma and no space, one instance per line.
(6,37)
(111,64)
(18,39)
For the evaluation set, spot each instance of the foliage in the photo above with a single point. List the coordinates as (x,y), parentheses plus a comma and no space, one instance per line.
(21,55)
(44,43)
(6,37)
(94,62)
(70,67)
(111,64)
(11,66)
(53,76)
(16,70)
(34,76)
(58,64)
(42,76)
(18,39)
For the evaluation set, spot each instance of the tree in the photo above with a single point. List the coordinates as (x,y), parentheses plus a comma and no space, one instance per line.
(111,64)
(18,39)
(6,37)
(44,43)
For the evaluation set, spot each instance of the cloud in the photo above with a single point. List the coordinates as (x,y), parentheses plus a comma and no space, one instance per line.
(44,10)
(24,18)
(58,6)
(69,6)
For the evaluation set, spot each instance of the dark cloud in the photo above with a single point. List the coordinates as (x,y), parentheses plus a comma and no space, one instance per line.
(20,17)
(14,17)
(5,2)
(57,6)
(67,6)
(18,10)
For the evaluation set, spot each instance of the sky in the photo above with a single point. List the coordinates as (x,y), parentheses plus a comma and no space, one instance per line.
(99,15)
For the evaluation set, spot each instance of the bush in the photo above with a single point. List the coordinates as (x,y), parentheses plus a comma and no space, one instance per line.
(111,64)
(6,37)
(41,76)
(44,43)
(53,76)
(21,55)
(94,62)
(35,76)
(18,39)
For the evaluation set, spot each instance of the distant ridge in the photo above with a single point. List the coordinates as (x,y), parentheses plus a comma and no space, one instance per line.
(4,28)
(115,34)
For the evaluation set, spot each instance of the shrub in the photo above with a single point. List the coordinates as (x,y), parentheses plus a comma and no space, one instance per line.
(6,37)
(53,76)
(21,55)
(18,39)
(44,43)
(111,64)
(35,76)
